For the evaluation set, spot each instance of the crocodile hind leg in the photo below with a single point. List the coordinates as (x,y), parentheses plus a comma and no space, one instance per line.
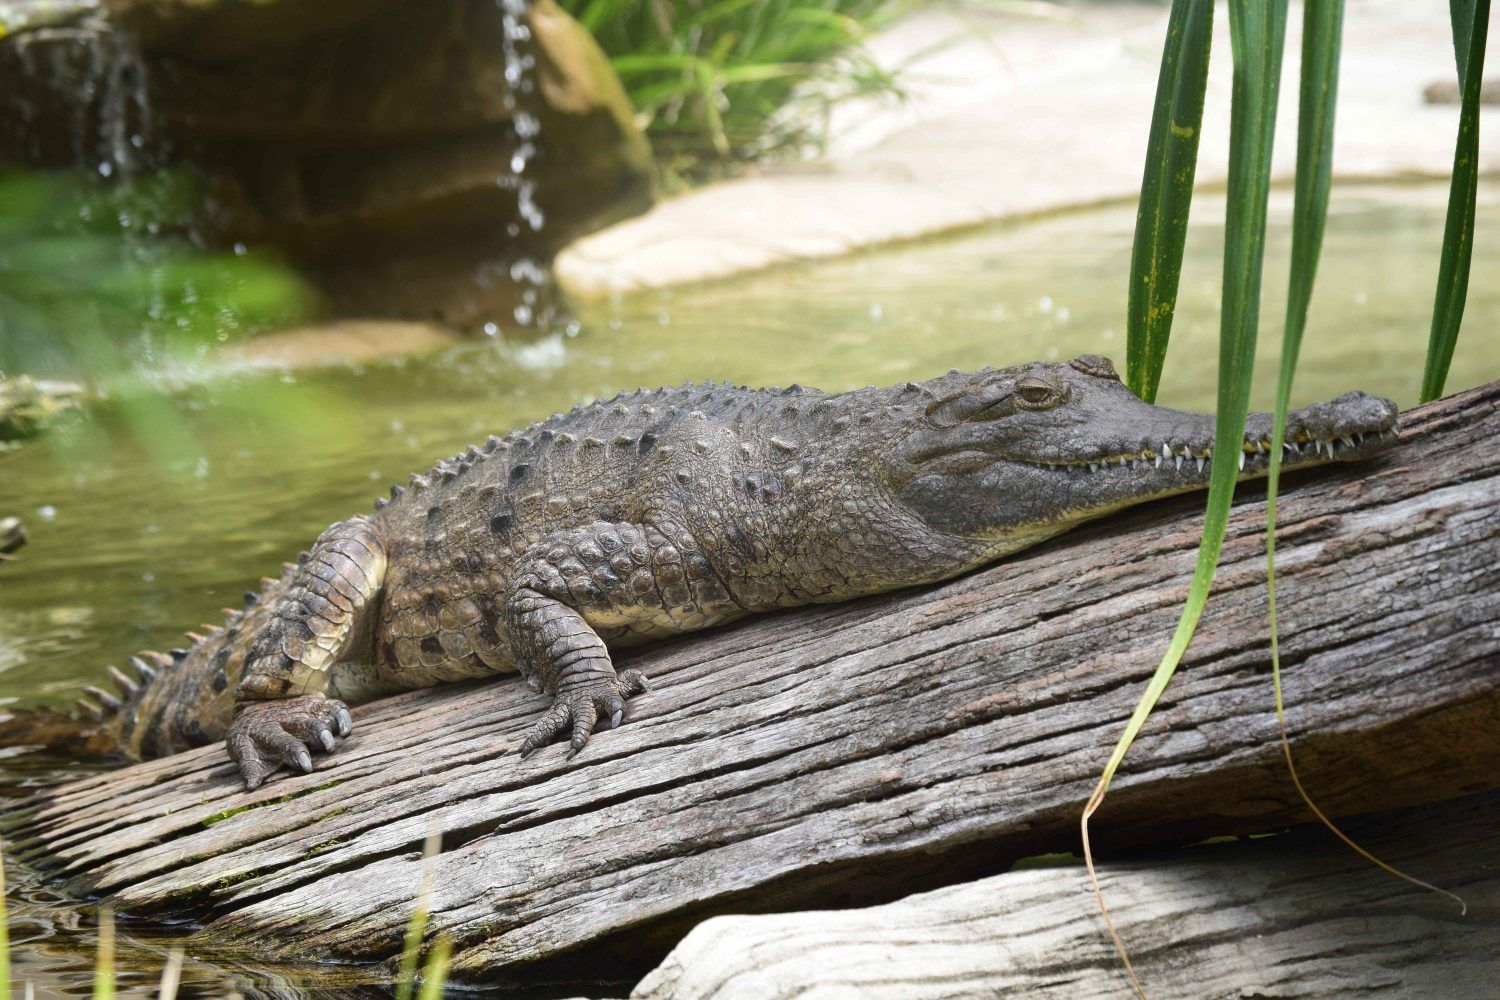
(631,581)
(323,618)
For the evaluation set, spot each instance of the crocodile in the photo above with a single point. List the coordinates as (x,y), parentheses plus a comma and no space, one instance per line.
(660,512)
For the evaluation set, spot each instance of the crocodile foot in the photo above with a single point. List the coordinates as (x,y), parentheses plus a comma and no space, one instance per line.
(266,735)
(579,708)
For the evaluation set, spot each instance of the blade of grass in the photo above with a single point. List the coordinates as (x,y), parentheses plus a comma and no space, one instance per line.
(416,927)
(1166,193)
(4,933)
(104,965)
(171,976)
(1257,31)
(1471,20)
(435,972)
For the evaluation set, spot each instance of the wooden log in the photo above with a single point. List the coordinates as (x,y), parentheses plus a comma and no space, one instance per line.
(853,754)
(1297,915)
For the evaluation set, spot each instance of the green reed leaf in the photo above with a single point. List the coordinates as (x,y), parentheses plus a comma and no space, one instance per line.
(1471,19)
(1322,27)
(1257,31)
(1166,193)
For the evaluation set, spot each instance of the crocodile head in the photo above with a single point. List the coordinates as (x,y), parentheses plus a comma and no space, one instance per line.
(1021,453)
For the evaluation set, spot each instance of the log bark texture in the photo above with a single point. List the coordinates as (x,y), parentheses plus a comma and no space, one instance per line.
(852,754)
(1293,916)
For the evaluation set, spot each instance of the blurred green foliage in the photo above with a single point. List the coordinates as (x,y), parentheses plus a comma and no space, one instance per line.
(720,82)
(95,277)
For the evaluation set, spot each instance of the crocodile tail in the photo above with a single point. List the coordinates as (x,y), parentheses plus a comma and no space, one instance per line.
(191,702)
(62,733)
(98,724)
(164,702)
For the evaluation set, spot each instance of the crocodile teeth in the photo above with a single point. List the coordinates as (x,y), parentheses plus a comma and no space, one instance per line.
(1093,466)
(1201,460)
(1158,461)
(1178,461)
(1242,461)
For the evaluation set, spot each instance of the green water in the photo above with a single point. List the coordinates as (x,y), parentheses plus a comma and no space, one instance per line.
(162,505)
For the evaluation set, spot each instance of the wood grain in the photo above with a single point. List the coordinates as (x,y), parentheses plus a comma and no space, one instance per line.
(1292,916)
(852,754)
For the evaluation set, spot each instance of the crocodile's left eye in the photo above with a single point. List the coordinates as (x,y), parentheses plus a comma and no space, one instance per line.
(1037,393)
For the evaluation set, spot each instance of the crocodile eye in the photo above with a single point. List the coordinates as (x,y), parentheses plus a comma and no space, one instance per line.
(1039,394)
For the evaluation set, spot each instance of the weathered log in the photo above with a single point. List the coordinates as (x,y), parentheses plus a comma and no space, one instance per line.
(853,754)
(1297,915)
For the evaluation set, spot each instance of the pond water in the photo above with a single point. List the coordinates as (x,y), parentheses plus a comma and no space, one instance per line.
(167,501)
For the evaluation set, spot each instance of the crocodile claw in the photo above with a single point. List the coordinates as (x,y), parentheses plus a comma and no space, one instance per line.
(576,711)
(266,735)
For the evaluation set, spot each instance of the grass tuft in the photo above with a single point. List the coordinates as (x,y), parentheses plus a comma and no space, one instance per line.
(721,82)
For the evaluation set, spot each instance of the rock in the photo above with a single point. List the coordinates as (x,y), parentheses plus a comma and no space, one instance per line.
(12,535)
(371,141)
(343,342)
(1448,92)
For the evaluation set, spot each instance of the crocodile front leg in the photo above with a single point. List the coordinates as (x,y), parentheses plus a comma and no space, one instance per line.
(631,581)
(281,712)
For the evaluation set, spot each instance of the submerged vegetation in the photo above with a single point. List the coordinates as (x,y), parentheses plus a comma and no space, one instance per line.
(433,977)
(721,82)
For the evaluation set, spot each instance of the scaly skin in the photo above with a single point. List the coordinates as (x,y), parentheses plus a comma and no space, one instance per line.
(662,512)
